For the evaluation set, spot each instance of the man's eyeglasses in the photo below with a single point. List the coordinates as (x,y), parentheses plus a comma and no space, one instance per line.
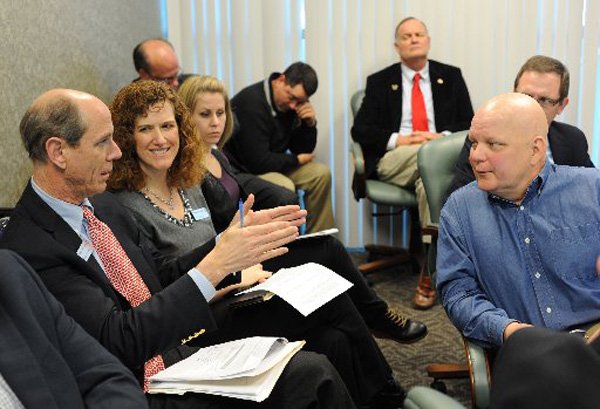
(544,101)
(293,98)
(167,80)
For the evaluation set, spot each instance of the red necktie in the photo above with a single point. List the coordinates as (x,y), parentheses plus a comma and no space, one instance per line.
(123,276)
(419,114)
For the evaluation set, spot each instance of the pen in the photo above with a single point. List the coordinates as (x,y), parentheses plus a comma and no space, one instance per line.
(241,209)
(301,193)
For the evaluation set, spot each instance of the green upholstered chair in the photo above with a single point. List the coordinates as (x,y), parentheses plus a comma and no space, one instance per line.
(380,193)
(420,397)
(436,161)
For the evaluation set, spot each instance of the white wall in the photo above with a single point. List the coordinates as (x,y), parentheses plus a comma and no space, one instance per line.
(241,41)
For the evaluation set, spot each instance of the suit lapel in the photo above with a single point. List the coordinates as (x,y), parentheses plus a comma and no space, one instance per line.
(395,95)
(556,143)
(43,216)
(438,89)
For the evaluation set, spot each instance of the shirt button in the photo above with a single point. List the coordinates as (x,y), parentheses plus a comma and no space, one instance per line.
(548,310)
(527,240)
(522,208)
(537,275)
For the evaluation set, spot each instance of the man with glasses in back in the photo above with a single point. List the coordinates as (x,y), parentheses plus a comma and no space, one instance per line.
(546,80)
(155,59)
(277,136)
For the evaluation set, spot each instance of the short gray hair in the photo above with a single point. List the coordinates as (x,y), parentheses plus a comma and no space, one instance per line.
(60,118)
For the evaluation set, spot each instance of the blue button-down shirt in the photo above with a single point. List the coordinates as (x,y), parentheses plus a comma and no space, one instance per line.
(73,215)
(499,262)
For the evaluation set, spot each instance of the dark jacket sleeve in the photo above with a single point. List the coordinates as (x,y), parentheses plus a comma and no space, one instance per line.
(569,145)
(372,126)
(101,380)
(457,110)
(303,139)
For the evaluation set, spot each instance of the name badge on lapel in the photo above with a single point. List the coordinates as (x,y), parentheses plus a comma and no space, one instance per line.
(200,214)
(85,250)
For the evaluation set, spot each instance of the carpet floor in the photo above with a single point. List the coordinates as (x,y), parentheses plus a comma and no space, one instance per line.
(443,343)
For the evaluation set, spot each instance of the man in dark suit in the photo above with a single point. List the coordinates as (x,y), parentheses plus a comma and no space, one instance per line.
(546,80)
(406,105)
(46,360)
(145,307)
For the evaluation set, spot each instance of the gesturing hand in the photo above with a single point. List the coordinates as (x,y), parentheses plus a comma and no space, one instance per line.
(241,247)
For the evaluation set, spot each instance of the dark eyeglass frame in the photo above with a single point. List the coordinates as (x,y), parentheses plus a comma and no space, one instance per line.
(544,101)
(167,80)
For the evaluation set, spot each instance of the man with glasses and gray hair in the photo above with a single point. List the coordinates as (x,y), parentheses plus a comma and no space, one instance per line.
(546,80)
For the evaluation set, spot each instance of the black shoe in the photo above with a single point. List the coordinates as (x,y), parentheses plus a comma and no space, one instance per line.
(398,328)
(391,397)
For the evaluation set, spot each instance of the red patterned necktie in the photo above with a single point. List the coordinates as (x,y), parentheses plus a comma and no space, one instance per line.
(123,276)
(419,114)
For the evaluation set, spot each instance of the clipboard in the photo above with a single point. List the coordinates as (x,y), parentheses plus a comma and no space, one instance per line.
(252,298)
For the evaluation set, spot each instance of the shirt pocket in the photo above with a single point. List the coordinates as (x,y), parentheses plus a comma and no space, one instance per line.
(574,251)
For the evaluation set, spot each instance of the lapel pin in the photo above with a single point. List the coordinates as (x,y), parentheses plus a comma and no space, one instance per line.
(394,87)
(440,81)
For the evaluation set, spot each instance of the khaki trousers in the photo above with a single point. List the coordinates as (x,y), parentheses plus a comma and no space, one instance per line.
(315,179)
(399,167)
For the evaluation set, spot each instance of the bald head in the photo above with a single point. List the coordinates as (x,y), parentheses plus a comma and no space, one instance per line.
(57,112)
(155,59)
(518,112)
(508,135)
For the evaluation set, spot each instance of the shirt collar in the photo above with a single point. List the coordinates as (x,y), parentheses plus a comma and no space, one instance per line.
(70,213)
(269,91)
(534,189)
(409,73)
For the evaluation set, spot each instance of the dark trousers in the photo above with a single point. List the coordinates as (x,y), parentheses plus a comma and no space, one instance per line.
(336,330)
(330,252)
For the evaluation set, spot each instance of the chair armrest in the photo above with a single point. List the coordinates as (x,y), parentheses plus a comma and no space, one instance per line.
(421,397)
(359,159)
(479,372)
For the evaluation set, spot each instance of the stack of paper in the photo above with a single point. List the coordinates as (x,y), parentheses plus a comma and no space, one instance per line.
(245,369)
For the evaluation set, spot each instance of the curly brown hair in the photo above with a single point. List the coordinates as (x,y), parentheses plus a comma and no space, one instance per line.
(134,101)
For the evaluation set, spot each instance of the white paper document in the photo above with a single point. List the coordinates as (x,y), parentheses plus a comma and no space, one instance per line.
(327,232)
(306,287)
(245,369)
